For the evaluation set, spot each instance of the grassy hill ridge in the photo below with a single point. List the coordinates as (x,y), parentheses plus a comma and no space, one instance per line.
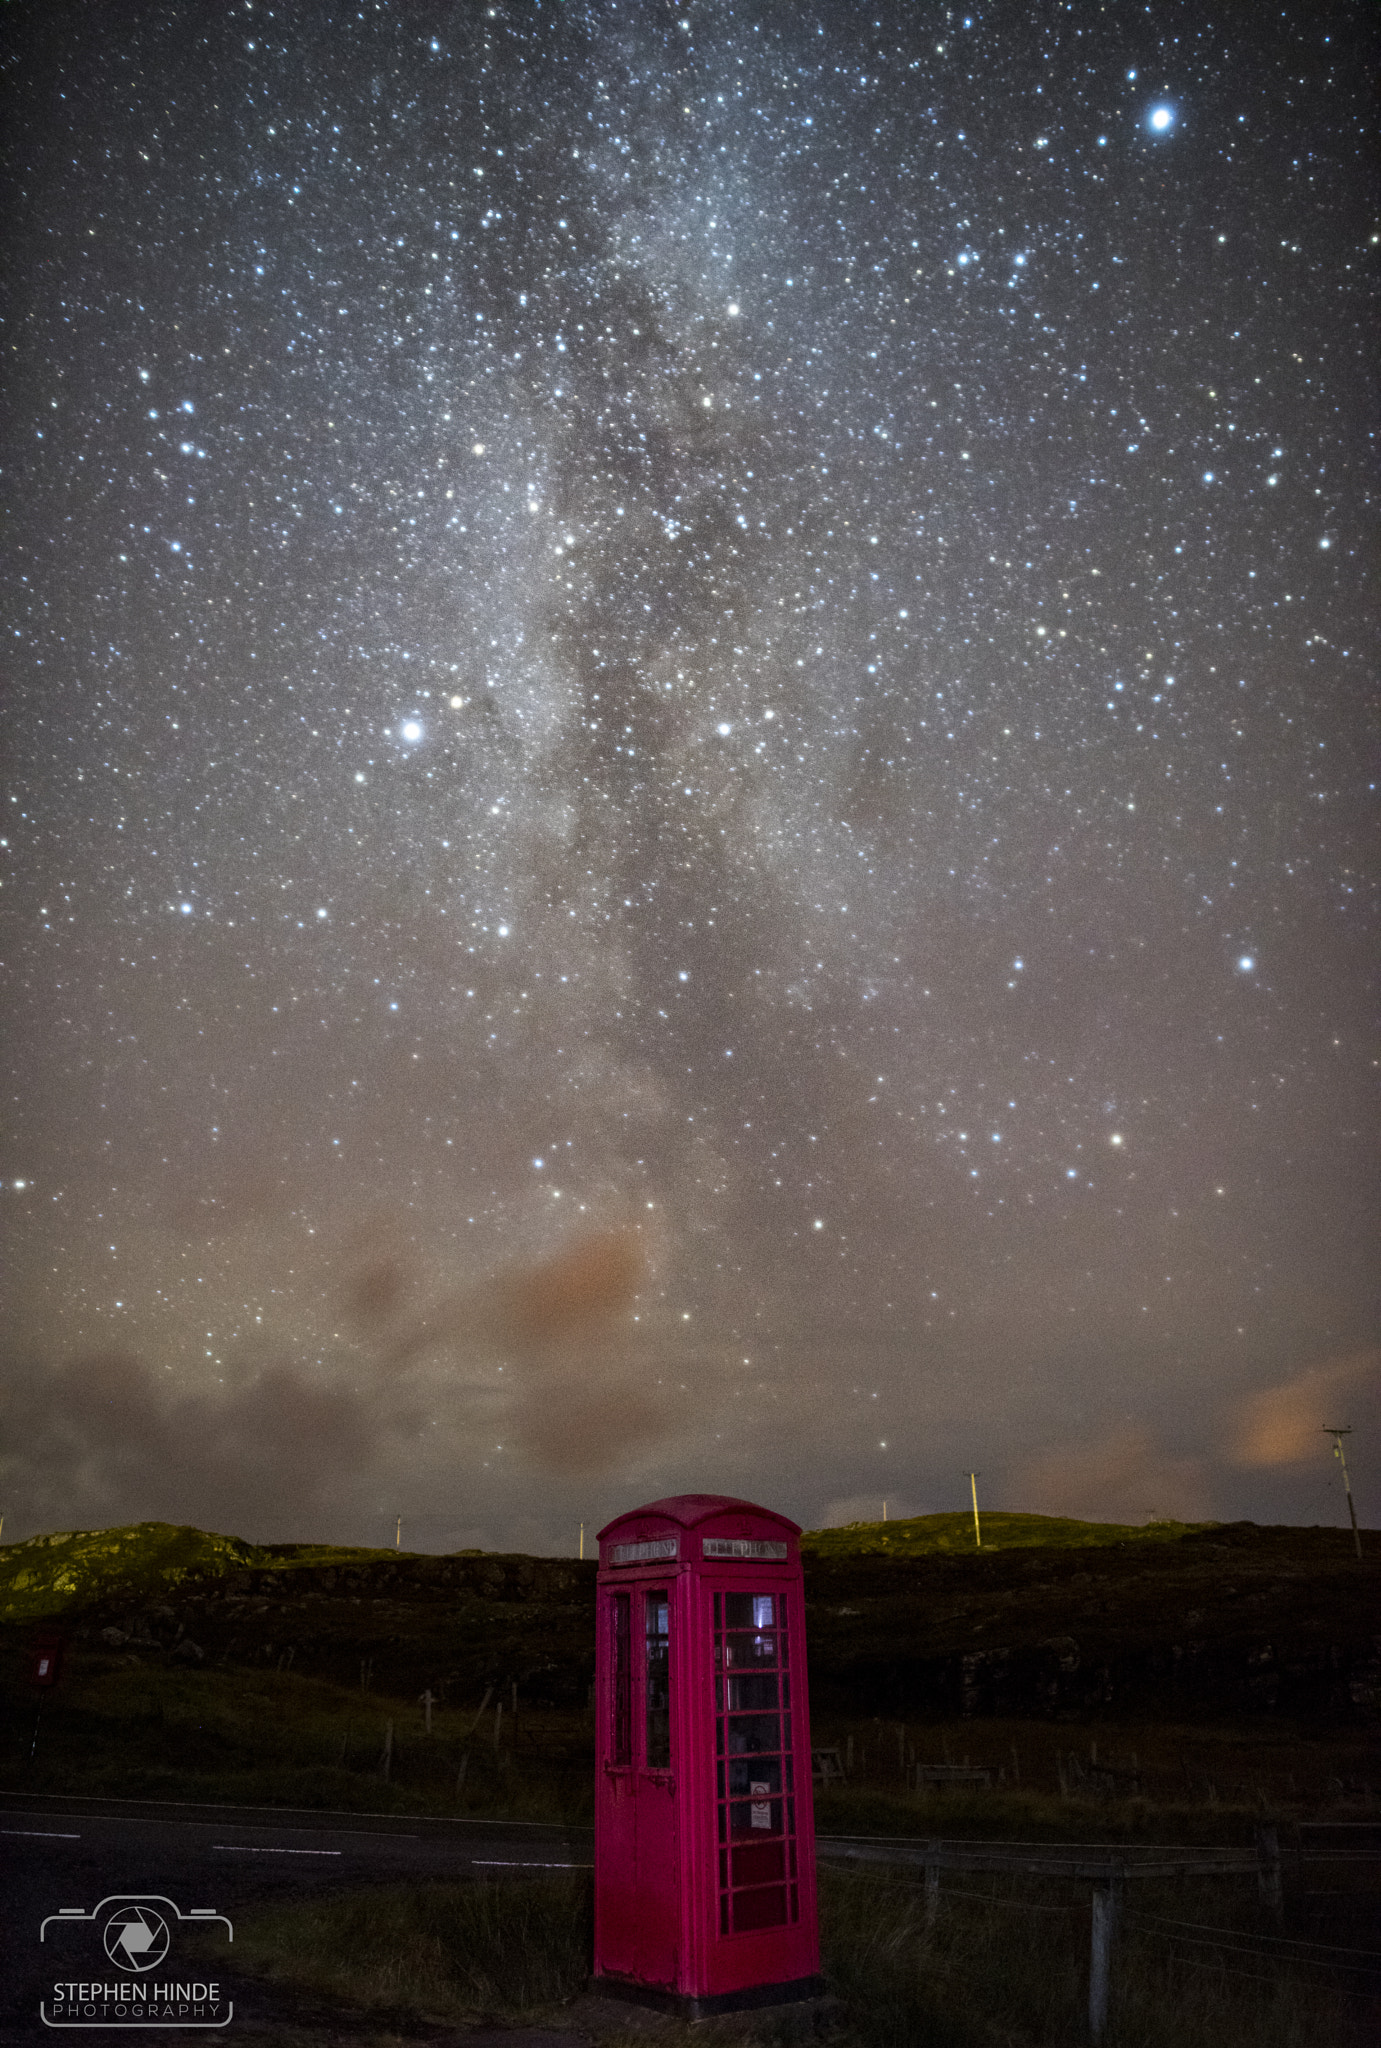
(50,1575)
(919,1535)
(75,1568)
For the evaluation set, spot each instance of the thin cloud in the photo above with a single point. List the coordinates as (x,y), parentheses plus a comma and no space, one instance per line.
(1122,1476)
(1284,1425)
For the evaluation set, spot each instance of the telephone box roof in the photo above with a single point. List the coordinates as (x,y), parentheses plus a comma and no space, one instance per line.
(689,1510)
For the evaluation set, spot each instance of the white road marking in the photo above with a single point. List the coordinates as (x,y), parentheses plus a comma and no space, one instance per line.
(253,1849)
(519,1863)
(47,1834)
(143,1820)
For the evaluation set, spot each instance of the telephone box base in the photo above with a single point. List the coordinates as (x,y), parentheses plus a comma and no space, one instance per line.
(689,2005)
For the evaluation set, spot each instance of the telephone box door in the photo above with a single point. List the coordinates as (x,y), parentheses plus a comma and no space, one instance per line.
(658,1874)
(637,1902)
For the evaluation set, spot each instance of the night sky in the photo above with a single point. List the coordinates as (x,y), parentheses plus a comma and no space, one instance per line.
(689,702)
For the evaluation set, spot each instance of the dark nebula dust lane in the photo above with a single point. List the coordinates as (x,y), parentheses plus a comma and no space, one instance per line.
(690,708)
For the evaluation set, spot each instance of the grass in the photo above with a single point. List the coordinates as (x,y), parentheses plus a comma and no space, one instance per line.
(1005,1965)
(153,1730)
(922,1535)
(435,1950)
(1206,1766)
(129,1730)
(46,1576)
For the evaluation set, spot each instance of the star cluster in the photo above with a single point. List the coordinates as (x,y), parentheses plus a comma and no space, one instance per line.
(731,643)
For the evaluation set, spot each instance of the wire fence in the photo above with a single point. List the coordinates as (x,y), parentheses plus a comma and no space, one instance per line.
(1350,1971)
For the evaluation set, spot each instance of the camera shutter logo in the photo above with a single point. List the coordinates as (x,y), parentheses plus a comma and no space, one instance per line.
(136,1937)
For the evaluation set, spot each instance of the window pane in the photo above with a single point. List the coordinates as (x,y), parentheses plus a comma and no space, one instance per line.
(749,1652)
(755,1817)
(759,1909)
(759,1863)
(754,1734)
(747,1771)
(749,1610)
(753,1691)
(621,1730)
(658,1667)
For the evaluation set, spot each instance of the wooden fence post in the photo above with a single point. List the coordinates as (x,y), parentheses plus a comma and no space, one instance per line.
(386,1760)
(1106,1900)
(484,1708)
(1268,1868)
(932,1897)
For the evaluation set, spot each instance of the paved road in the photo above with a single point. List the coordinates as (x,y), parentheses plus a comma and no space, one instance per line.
(72,1854)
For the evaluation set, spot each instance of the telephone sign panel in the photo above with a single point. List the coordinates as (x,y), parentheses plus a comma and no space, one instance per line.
(704,1828)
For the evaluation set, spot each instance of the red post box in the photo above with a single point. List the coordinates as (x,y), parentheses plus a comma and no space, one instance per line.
(704,1824)
(45,1659)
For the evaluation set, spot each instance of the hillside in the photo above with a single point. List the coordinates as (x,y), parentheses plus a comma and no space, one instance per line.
(1050,1620)
(929,1535)
(75,1569)
(53,1575)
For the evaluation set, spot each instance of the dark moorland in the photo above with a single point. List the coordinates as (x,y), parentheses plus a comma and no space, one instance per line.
(1049,1625)
(1223,1618)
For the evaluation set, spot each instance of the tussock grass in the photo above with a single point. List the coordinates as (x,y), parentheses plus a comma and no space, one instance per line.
(120,1729)
(1008,1963)
(1005,1966)
(442,1949)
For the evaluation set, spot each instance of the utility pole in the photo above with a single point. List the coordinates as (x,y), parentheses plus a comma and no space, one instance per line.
(582,1542)
(1337,1436)
(884,1511)
(398,1535)
(973,1488)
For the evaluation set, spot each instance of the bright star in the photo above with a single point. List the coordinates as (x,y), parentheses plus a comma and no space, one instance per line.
(1246,963)
(411,731)
(1160,119)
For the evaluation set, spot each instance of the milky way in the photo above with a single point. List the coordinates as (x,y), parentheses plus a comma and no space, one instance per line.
(688,706)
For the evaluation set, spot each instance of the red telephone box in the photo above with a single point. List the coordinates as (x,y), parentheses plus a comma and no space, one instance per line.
(704,1824)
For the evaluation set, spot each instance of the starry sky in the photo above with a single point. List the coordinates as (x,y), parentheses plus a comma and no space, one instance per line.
(689,703)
